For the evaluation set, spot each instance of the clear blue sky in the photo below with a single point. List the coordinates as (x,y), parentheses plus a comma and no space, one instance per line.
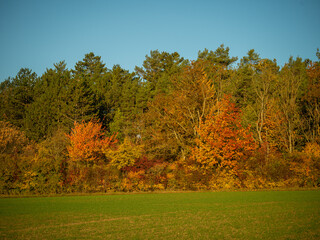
(37,34)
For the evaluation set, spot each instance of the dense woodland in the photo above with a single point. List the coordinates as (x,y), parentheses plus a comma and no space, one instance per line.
(175,124)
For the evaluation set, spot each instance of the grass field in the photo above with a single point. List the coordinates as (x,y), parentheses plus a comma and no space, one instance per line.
(197,215)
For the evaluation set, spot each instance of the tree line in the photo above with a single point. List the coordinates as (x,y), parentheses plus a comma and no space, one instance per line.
(171,124)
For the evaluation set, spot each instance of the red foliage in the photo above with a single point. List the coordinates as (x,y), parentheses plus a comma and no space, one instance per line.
(143,163)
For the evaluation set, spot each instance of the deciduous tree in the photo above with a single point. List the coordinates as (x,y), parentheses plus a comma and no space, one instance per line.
(311,103)
(174,117)
(263,83)
(13,142)
(87,164)
(222,142)
(289,93)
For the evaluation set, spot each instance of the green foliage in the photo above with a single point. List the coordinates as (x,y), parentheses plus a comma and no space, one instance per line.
(16,95)
(161,116)
(80,102)
(219,56)
(157,69)
(242,87)
(117,124)
(124,101)
(50,167)
(91,69)
(250,60)
(48,112)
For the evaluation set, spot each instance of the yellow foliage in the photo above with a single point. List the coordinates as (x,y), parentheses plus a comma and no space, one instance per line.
(11,139)
(125,155)
(312,149)
(306,166)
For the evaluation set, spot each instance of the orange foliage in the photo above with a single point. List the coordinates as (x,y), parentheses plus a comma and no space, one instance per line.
(306,166)
(88,142)
(223,142)
(175,116)
(88,161)
(274,134)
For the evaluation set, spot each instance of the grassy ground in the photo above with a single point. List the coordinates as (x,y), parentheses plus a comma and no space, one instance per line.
(206,215)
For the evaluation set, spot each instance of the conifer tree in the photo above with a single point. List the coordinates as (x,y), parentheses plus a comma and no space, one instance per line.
(157,69)
(18,94)
(46,114)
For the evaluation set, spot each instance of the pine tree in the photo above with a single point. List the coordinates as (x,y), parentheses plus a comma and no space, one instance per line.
(17,94)
(45,115)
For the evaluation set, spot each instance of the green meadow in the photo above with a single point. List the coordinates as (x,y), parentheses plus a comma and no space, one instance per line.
(191,215)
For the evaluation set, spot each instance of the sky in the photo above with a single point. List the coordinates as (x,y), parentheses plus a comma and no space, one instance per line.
(35,34)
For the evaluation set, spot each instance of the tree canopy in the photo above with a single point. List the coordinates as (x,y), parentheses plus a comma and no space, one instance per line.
(173,123)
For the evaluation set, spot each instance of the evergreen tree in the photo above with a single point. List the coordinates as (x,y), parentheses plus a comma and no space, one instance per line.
(17,94)
(93,72)
(80,102)
(122,101)
(45,115)
(219,56)
(157,69)
(92,69)
(242,89)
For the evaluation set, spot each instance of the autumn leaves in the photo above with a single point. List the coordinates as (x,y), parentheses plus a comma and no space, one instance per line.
(172,124)
(205,131)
